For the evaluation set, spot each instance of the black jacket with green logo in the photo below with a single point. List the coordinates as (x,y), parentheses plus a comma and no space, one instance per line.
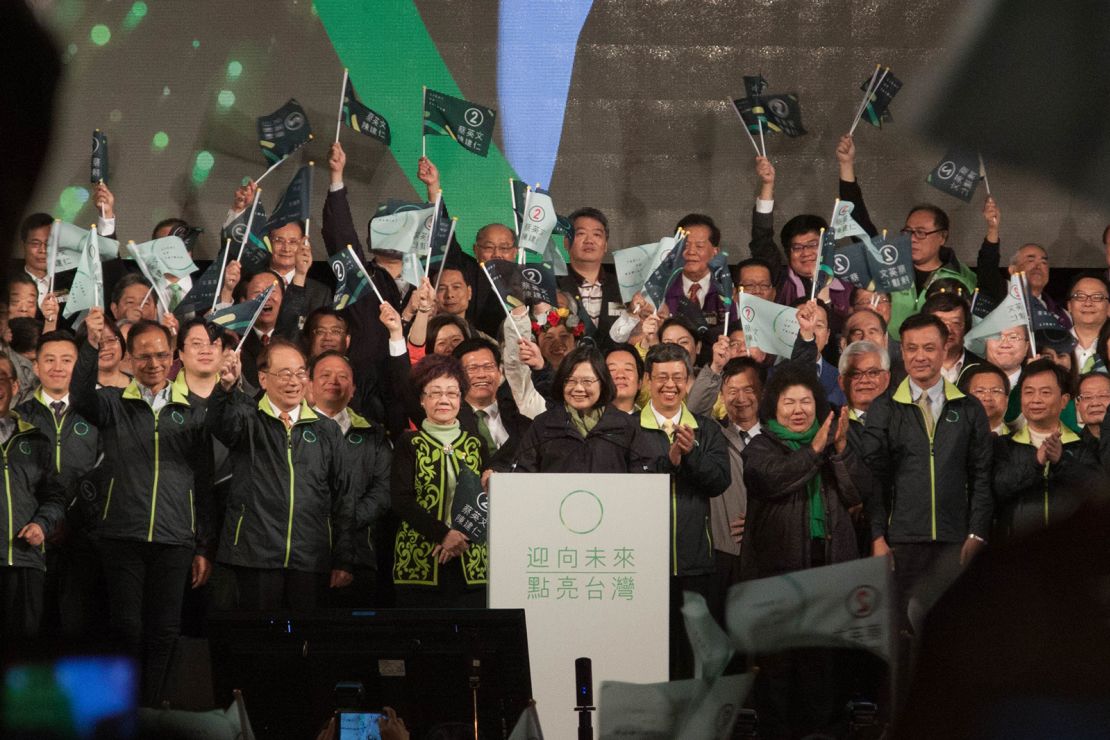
(160,463)
(369,457)
(1030,496)
(705,472)
(75,440)
(292,498)
(32,494)
(939,483)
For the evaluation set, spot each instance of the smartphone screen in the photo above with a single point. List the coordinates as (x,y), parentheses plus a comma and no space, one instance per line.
(359,726)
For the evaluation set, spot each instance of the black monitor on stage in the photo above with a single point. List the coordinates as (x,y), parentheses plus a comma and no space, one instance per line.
(420,662)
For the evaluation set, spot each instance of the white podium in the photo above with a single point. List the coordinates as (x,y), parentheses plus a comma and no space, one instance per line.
(586,557)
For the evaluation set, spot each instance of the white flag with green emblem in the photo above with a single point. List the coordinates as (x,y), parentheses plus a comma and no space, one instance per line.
(1011,313)
(538,223)
(843,224)
(164,256)
(772,327)
(87,289)
(634,265)
(71,242)
(403,231)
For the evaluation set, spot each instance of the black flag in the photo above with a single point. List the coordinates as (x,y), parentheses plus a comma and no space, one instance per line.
(784,113)
(283,131)
(295,202)
(538,281)
(98,170)
(957,174)
(507,280)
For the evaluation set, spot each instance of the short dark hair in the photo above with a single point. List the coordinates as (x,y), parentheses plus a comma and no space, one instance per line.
(668,352)
(323,356)
(799,225)
(738,365)
(940,218)
(754,262)
(626,347)
(275,344)
(983,368)
(700,219)
(125,282)
(25,333)
(952,285)
(32,222)
(240,293)
(453,267)
(948,301)
(873,312)
(435,326)
(319,313)
(58,335)
(143,326)
(786,376)
(680,321)
(20,277)
(923,321)
(589,355)
(213,331)
(438,366)
(1045,365)
(1087,275)
(173,223)
(1087,376)
(588,212)
(477,344)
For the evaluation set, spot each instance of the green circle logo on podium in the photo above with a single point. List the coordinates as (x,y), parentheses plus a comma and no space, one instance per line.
(581,511)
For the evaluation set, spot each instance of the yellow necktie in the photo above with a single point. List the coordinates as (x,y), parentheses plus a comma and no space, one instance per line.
(927,412)
(287,420)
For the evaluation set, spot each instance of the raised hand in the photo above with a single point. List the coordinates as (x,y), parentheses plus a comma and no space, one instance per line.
(846,157)
(230,371)
(94,323)
(104,200)
(992,215)
(337,160)
(821,439)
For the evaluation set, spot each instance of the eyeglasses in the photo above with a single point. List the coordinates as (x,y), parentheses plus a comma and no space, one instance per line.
(872,374)
(807,247)
(1087,297)
(867,303)
(583,383)
(196,346)
(37,244)
(286,376)
(755,287)
(449,395)
(978,392)
(281,241)
(1013,337)
(497,248)
(664,379)
(334,331)
(486,367)
(109,342)
(158,357)
(920,233)
(1100,397)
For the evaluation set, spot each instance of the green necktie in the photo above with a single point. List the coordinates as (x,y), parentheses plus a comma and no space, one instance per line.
(175,295)
(483,430)
(926,411)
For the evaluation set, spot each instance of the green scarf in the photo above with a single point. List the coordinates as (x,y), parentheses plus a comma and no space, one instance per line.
(584,421)
(795,440)
(445,434)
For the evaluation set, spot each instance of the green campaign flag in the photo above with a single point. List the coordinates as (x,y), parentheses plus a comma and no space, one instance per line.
(957,174)
(1011,312)
(539,284)
(507,281)
(402,230)
(847,605)
(470,506)
(537,223)
(72,240)
(295,203)
(284,131)
(200,298)
(351,283)
(241,317)
(362,119)
(256,254)
(850,265)
(98,167)
(772,327)
(721,278)
(890,262)
(164,256)
(469,124)
(784,113)
(665,271)
(87,289)
(877,111)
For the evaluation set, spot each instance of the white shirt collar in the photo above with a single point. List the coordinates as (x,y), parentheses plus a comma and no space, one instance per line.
(751,431)
(288,276)
(661,420)
(295,414)
(343,419)
(50,399)
(936,393)
(704,283)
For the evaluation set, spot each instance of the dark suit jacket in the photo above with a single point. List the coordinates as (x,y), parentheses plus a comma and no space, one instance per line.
(287,327)
(611,304)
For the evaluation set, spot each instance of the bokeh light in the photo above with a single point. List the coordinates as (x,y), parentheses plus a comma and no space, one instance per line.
(226,98)
(135,15)
(115,116)
(160,141)
(166,91)
(196,43)
(234,69)
(71,201)
(100,34)
(202,167)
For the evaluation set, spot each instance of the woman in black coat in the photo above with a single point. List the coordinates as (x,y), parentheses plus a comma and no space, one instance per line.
(585,433)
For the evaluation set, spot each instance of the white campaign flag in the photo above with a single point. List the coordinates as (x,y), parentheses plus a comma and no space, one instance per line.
(165,256)
(694,709)
(772,327)
(87,289)
(538,223)
(634,265)
(404,231)
(845,605)
(1010,312)
(528,725)
(711,647)
(844,225)
(71,243)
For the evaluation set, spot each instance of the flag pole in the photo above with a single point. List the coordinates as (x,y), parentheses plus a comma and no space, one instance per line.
(250,222)
(527,205)
(974,297)
(762,144)
(446,250)
(496,292)
(342,98)
(817,267)
(273,167)
(362,268)
(732,104)
(98,294)
(983,174)
(254,318)
(512,199)
(871,87)
(1028,312)
(432,234)
(220,281)
(423,113)
(52,254)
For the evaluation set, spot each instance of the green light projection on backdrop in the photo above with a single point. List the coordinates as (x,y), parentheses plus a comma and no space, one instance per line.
(365,35)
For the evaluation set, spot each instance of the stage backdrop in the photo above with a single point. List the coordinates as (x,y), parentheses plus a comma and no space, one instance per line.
(617,104)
